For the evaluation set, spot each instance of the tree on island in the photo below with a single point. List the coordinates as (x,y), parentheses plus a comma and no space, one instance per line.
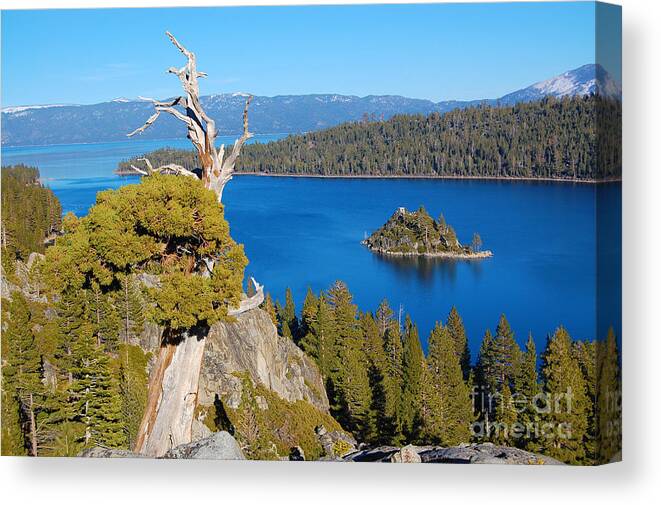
(476,243)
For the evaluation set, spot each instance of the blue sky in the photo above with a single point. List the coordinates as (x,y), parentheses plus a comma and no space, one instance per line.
(438,52)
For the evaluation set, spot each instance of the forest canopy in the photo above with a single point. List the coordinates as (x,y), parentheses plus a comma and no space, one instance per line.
(166,226)
(577,138)
(30,212)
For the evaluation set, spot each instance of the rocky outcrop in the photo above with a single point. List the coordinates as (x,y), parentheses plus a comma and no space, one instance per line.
(336,444)
(251,345)
(220,445)
(407,454)
(485,453)
(23,280)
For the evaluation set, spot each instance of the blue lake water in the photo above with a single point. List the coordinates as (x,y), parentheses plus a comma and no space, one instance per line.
(301,232)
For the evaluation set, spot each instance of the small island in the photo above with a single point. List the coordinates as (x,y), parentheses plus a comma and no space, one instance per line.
(416,233)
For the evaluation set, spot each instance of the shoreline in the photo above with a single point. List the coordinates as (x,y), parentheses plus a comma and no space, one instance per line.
(450,255)
(423,177)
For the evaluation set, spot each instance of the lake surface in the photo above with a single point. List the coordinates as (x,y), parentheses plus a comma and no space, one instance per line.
(301,232)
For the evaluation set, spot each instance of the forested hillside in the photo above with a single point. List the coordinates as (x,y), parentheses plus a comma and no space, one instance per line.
(551,138)
(30,212)
(386,391)
(73,374)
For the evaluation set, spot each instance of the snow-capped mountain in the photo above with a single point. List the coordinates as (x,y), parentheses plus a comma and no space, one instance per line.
(108,121)
(584,80)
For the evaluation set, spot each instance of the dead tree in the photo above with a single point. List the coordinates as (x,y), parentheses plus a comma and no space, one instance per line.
(216,168)
(174,381)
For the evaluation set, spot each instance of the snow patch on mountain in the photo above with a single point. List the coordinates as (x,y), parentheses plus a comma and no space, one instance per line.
(23,108)
(581,81)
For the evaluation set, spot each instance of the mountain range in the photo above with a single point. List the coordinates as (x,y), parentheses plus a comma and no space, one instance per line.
(111,121)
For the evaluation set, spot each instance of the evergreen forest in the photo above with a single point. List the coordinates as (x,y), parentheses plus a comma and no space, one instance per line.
(573,138)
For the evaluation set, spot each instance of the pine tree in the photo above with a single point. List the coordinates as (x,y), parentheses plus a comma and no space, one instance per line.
(567,402)
(133,381)
(12,442)
(288,322)
(105,318)
(413,364)
(95,395)
(321,344)
(526,386)
(308,315)
(351,395)
(457,331)
(486,380)
(608,399)
(585,354)
(451,415)
(504,419)
(506,353)
(131,309)
(268,306)
(22,371)
(390,334)
(377,370)
(72,324)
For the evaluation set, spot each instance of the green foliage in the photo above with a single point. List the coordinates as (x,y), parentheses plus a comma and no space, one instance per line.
(413,366)
(287,320)
(166,226)
(390,333)
(131,366)
(348,374)
(94,391)
(21,374)
(129,309)
(268,306)
(270,433)
(455,326)
(608,399)
(550,138)
(568,404)
(308,316)
(415,233)
(449,418)
(30,213)
(526,386)
(105,318)
(505,418)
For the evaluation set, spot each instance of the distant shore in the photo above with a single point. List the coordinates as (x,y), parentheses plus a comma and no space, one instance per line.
(448,177)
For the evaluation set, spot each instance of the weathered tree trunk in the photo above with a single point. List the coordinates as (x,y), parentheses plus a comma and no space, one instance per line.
(172,396)
(173,387)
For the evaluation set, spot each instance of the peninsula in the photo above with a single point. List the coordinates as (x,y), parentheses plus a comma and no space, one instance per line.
(416,233)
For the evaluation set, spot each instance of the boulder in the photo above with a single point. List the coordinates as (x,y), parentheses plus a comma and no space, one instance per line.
(407,454)
(251,345)
(485,453)
(220,445)
(199,430)
(336,444)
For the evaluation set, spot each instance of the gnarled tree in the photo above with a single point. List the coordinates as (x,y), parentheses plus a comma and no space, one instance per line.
(175,377)
(216,168)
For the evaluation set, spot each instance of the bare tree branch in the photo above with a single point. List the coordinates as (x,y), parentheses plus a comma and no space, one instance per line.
(170,169)
(217,170)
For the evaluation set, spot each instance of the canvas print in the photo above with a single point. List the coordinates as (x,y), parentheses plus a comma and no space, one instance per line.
(358,233)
